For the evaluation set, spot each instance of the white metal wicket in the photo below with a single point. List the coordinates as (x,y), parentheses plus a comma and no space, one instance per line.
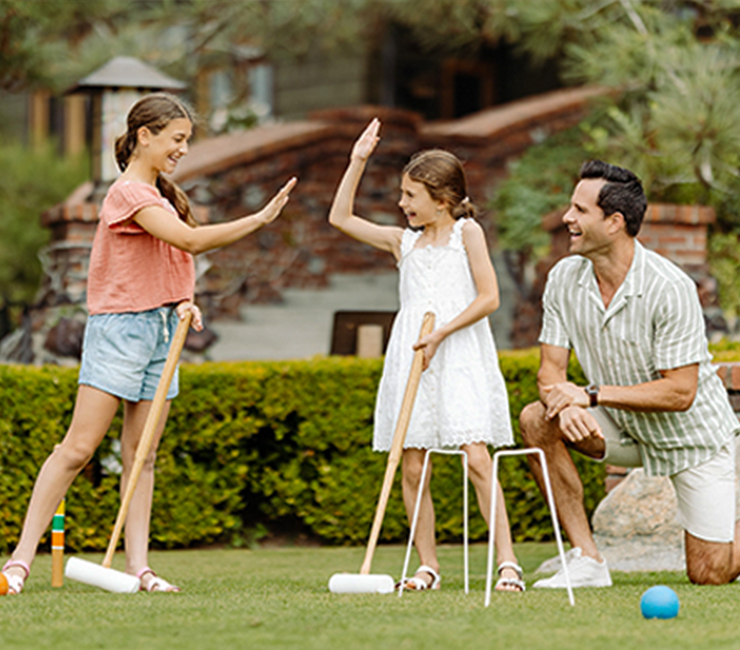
(414,520)
(553,515)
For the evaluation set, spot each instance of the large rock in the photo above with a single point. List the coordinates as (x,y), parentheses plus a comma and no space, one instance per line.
(637,526)
(640,507)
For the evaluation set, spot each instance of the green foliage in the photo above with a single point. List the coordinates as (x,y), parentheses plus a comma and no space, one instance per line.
(538,183)
(724,263)
(674,117)
(252,444)
(37,38)
(725,351)
(30,182)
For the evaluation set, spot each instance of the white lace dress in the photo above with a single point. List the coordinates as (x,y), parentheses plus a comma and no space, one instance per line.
(462,395)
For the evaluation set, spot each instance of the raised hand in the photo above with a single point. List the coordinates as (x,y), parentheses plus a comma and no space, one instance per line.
(367,141)
(271,211)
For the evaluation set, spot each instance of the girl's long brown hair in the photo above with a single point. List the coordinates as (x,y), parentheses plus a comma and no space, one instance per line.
(155,112)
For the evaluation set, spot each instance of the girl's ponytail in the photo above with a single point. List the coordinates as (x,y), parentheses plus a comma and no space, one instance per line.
(124,147)
(465,209)
(177,198)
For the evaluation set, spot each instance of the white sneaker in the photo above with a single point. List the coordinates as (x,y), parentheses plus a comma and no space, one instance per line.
(583,571)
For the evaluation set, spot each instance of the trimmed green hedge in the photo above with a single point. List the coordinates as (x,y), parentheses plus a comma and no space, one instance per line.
(256,445)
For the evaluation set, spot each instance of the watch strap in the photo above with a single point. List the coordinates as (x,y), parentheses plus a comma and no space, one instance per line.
(593,395)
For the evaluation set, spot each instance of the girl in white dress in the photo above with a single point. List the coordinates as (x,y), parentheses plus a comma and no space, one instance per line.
(462,402)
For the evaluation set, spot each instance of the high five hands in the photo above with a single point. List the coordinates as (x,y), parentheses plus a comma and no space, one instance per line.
(368,140)
(270,212)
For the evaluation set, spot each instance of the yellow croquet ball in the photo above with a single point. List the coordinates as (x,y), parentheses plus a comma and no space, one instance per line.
(3,584)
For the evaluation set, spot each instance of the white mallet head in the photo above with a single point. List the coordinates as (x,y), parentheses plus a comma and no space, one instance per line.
(98,576)
(355,583)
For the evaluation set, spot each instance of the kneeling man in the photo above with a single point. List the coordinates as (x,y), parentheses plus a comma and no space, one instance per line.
(634,321)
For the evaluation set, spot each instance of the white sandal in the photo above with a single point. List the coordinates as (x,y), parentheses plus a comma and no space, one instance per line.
(418,584)
(517,582)
(16,582)
(156,583)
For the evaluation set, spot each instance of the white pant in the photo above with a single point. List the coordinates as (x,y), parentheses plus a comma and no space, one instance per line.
(706,493)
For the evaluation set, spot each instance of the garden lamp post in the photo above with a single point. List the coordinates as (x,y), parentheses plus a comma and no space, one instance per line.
(113,89)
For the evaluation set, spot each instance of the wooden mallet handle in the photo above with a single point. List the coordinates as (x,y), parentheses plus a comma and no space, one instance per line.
(399,437)
(150,427)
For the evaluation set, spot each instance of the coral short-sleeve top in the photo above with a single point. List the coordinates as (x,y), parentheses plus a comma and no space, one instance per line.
(131,270)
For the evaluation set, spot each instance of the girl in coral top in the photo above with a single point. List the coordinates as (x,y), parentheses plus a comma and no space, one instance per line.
(140,283)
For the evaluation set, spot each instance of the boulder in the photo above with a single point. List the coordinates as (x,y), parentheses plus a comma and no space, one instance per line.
(637,526)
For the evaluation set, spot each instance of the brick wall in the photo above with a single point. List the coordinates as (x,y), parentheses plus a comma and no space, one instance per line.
(236,174)
(679,232)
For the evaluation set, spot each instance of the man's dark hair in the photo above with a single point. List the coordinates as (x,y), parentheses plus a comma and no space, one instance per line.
(621,193)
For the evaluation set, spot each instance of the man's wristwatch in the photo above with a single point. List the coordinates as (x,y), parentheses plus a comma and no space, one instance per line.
(592,390)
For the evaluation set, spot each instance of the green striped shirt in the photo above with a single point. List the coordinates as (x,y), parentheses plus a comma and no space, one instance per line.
(653,323)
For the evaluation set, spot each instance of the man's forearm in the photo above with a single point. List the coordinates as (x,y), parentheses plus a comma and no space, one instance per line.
(674,391)
(663,394)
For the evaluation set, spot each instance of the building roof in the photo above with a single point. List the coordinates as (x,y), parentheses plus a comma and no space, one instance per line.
(127,72)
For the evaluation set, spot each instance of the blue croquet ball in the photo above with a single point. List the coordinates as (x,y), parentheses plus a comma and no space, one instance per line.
(659,602)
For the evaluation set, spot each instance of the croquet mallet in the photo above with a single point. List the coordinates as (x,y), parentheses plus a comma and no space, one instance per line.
(366,582)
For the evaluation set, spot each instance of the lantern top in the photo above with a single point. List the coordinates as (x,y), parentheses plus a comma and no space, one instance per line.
(127,72)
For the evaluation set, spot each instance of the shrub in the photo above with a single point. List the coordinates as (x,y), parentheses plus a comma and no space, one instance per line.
(252,444)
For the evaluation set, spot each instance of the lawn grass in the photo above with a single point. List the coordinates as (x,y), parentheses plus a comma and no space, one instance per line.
(279,599)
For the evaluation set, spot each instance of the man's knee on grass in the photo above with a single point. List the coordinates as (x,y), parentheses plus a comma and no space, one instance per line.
(708,563)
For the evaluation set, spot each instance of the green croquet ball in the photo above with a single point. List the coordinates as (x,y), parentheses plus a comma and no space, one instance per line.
(659,602)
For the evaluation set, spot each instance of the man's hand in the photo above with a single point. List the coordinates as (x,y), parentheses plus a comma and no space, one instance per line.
(577,424)
(559,397)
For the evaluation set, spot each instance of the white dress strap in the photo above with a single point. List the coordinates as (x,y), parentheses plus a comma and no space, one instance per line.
(408,240)
(456,240)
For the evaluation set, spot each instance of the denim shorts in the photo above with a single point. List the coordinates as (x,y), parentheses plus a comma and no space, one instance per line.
(124,354)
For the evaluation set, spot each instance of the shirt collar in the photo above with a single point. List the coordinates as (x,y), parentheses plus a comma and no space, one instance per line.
(634,282)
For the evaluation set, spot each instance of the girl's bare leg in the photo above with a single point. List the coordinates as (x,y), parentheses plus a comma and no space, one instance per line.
(480,467)
(93,413)
(139,514)
(413,461)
